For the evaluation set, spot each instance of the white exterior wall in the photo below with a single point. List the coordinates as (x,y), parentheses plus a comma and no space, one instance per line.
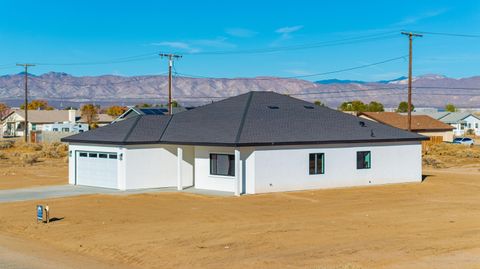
(146,166)
(155,166)
(203,178)
(72,151)
(287,168)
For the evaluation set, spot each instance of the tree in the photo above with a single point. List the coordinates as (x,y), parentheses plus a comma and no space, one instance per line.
(90,114)
(403,107)
(115,111)
(145,105)
(355,105)
(450,108)
(375,107)
(174,103)
(318,103)
(37,105)
(4,109)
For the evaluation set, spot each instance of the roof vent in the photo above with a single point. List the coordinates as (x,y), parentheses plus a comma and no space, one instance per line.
(273,107)
(308,107)
(361,123)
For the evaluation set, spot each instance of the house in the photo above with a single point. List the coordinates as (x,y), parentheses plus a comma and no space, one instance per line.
(421,124)
(101,119)
(138,111)
(252,143)
(462,122)
(14,123)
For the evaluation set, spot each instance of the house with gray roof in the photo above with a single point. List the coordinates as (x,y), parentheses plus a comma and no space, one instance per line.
(252,143)
(462,122)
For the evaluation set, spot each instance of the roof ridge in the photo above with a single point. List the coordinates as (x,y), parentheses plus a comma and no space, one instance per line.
(242,122)
(166,127)
(137,119)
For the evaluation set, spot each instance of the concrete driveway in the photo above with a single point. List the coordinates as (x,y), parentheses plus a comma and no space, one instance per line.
(38,193)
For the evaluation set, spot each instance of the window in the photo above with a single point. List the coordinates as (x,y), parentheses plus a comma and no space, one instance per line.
(476,125)
(112,156)
(316,163)
(92,155)
(222,164)
(364,160)
(83,154)
(102,155)
(55,129)
(66,130)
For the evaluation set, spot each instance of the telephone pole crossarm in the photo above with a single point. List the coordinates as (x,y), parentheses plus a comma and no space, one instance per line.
(171,57)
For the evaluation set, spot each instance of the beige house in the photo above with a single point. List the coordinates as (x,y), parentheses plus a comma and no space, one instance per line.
(421,124)
(13,125)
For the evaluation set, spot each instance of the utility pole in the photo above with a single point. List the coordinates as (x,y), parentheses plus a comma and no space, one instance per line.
(171,57)
(410,39)
(25,132)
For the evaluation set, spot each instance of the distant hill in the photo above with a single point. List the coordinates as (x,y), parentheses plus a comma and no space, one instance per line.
(62,89)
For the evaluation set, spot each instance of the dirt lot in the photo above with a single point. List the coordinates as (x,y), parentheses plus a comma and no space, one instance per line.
(31,165)
(434,224)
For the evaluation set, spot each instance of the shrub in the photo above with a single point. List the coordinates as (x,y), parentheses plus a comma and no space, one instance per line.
(55,150)
(29,158)
(3,156)
(430,161)
(6,144)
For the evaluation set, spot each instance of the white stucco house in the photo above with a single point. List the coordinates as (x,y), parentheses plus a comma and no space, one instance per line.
(253,143)
(462,122)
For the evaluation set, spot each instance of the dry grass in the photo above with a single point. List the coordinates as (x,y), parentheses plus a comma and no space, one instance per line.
(448,155)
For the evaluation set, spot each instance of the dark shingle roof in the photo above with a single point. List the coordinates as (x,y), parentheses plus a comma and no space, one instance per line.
(255,118)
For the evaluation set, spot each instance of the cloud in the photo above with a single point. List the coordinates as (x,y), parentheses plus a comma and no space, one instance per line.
(177,45)
(240,32)
(195,46)
(415,19)
(288,30)
(219,42)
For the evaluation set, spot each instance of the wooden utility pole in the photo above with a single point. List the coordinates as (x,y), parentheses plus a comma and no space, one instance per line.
(410,39)
(25,132)
(171,58)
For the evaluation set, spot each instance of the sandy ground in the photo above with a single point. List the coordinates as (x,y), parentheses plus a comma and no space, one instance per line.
(46,172)
(434,224)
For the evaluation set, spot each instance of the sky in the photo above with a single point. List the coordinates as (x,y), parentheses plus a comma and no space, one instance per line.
(240,38)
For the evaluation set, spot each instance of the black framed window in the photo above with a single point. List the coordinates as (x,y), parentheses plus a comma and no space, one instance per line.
(222,164)
(83,154)
(364,159)
(316,163)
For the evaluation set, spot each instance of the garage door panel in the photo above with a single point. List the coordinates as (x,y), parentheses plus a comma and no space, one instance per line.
(97,169)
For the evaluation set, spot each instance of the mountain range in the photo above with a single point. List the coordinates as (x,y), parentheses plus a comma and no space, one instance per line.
(62,89)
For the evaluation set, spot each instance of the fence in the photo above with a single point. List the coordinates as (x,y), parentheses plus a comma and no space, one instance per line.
(432,141)
(48,137)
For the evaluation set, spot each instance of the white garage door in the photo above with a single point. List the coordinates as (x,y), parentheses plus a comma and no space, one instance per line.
(97,169)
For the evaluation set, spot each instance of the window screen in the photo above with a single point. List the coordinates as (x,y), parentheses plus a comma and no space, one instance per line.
(316,163)
(364,160)
(222,164)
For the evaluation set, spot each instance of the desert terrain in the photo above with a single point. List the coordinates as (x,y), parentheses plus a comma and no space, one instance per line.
(433,224)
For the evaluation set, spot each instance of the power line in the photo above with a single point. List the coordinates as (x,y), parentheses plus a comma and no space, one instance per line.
(310,75)
(102,84)
(449,34)
(345,41)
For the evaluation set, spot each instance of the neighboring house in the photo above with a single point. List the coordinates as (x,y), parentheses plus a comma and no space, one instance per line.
(421,124)
(139,111)
(102,120)
(461,121)
(253,143)
(14,123)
